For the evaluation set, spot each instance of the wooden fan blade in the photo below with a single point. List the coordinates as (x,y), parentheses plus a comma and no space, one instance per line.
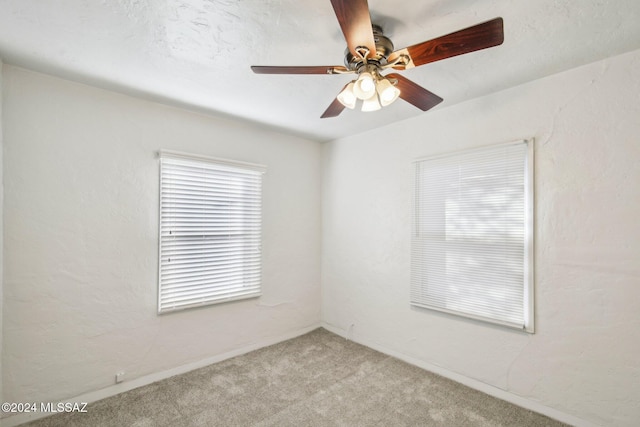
(481,36)
(355,22)
(415,94)
(333,69)
(335,108)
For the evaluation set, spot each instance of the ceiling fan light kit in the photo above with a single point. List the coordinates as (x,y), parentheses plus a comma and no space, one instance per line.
(369,52)
(387,92)
(364,86)
(347,97)
(369,84)
(371,104)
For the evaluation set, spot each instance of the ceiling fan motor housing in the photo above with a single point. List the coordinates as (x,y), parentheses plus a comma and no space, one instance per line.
(384,47)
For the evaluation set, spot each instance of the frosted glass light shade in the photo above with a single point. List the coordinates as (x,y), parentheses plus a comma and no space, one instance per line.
(347,97)
(365,86)
(371,104)
(388,92)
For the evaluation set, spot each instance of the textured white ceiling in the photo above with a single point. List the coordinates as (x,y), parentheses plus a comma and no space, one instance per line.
(197,53)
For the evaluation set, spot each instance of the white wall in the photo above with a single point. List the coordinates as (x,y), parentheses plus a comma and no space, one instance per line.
(1,236)
(583,359)
(81,218)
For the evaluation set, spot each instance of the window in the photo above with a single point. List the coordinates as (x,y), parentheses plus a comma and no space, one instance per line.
(472,238)
(210,231)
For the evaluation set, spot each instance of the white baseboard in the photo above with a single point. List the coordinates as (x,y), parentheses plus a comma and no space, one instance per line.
(96,395)
(469,382)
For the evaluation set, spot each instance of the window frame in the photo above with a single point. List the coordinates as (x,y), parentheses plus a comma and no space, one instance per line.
(220,165)
(528,246)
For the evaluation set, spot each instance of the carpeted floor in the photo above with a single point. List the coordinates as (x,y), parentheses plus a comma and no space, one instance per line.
(318,379)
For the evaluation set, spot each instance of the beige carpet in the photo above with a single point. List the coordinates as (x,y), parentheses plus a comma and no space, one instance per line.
(318,379)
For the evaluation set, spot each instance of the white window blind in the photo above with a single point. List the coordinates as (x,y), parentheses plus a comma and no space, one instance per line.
(472,234)
(210,231)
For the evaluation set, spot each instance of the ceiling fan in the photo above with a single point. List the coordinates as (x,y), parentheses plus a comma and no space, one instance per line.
(369,52)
